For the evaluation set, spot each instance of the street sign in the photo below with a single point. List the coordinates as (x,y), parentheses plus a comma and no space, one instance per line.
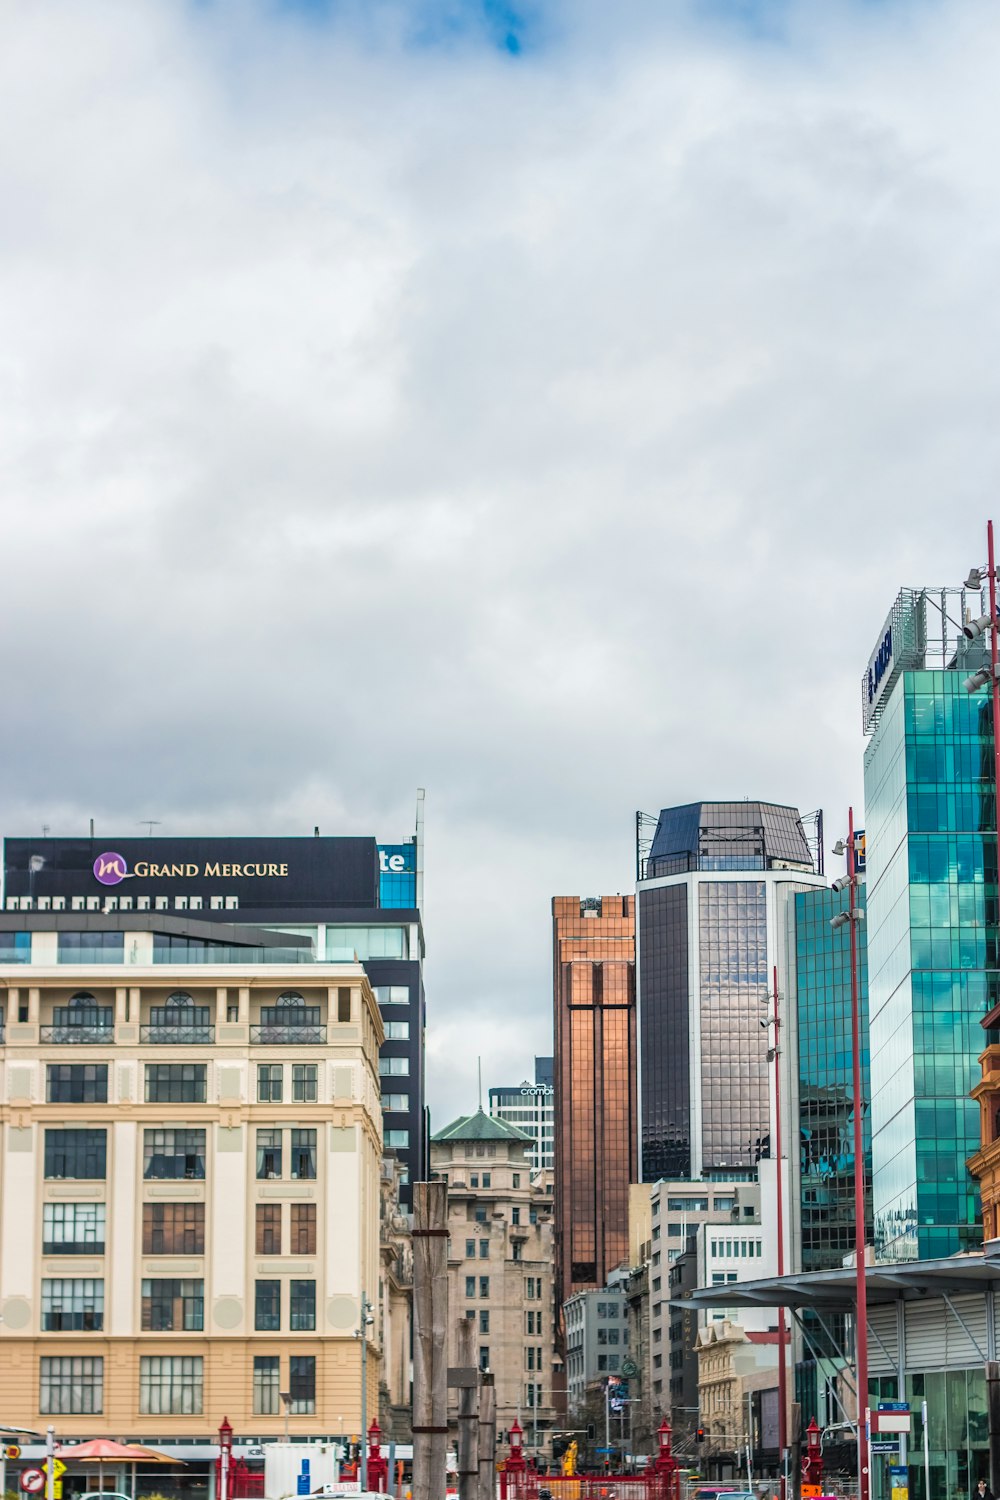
(12,1451)
(32,1481)
(885,1445)
(58,1468)
(810,1491)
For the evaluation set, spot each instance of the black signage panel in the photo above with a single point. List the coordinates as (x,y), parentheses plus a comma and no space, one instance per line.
(262,872)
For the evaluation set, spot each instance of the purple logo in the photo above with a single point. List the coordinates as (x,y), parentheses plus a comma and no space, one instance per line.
(110,869)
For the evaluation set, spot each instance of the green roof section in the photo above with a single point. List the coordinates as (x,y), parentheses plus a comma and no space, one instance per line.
(481,1127)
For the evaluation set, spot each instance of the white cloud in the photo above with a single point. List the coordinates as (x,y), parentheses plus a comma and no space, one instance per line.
(551,432)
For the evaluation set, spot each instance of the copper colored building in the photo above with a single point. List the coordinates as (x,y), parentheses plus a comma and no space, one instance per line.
(595,1134)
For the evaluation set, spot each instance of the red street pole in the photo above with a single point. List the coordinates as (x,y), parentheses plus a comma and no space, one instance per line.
(864,1477)
(782,1362)
(995,686)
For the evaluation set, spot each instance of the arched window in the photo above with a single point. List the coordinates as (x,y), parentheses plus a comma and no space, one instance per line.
(996,1124)
(290,997)
(180,997)
(82,997)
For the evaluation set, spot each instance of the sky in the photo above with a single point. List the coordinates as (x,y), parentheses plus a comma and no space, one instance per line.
(536,401)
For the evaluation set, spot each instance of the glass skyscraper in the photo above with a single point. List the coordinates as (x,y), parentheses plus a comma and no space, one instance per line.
(713,898)
(932,954)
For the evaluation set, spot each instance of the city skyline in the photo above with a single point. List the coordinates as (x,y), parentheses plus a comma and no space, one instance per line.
(542,410)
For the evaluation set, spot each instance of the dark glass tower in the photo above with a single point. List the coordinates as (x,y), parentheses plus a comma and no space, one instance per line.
(712,904)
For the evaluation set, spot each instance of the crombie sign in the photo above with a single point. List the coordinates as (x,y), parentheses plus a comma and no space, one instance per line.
(272,873)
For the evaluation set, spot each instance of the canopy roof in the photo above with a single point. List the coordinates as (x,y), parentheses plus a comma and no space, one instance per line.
(892,1282)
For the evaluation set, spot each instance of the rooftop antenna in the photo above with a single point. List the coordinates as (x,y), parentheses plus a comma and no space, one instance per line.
(150,823)
(45,830)
(480,1061)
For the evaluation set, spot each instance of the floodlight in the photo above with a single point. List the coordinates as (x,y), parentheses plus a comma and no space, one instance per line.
(976,681)
(974,580)
(841,919)
(842,883)
(839,847)
(975,628)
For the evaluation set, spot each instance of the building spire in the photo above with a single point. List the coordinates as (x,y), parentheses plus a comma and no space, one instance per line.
(480,1061)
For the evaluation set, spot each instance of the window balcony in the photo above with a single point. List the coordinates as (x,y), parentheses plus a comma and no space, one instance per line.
(177,1034)
(90,1035)
(276,1034)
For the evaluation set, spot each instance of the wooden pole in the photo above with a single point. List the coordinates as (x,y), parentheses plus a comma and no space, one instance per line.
(487,1438)
(468,1412)
(430,1326)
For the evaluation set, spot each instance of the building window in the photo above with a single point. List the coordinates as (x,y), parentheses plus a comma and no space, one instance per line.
(77,1083)
(73,1229)
(397,1140)
(392,994)
(173,1229)
(170,1305)
(176,1083)
(474,1179)
(170,1385)
(302,1383)
(304,1083)
(268,1154)
(168,1154)
(71,1385)
(394,1067)
(484,1321)
(487,1179)
(515,1216)
(72,1304)
(267,1306)
(266,1384)
(344,1003)
(79,1154)
(484,1357)
(302,1306)
(303,1229)
(267,1229)
(484,1249)
(304,1154)
(470,1286)
(397,1103)
(517,1179)
(269,1083)
(517,1250)
(484,1286)
(91,947)
(397,1031)
(470,1249)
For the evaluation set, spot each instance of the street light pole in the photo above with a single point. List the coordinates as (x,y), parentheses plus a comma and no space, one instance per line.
(782,1356)
(861,1295)
(366,1321)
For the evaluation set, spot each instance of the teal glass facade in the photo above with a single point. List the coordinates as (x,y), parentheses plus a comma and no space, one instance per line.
(932,960)
(826,1082)
(822,960)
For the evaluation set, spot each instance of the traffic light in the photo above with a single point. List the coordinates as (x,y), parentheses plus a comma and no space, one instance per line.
(591,1432)
(699,1436)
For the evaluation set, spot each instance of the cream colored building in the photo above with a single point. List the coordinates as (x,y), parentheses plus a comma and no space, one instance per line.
(500,1249)
(190,1165)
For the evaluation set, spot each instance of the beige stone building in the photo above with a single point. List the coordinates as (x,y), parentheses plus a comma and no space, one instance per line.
(500,1253)
(732,1364)
(190,1166)
(396,1295)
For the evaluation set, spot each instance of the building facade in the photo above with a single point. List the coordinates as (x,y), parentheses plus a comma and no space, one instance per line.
(531,1106)
(712,904)
(309,899)
(595,1155)
(190,1162)
(933,968)
(500,1242)
(597,1338)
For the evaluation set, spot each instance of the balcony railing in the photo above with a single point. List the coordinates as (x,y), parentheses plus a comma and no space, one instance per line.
(161,1032)
(90,1035)
(273,1034)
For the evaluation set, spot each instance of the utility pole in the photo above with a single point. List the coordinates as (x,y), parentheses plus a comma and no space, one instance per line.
(466,1379)
(487,1437)
(430,1327)
(367,1319)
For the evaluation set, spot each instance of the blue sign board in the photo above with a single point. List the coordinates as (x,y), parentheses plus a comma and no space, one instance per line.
(397,865)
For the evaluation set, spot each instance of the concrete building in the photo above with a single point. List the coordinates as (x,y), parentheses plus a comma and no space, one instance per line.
(597,1338)
(190,1160)
(712,901)
(595,1156)
(396,1299)
(500,1265)
(531,1106)
(733,1365)
(301,899)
